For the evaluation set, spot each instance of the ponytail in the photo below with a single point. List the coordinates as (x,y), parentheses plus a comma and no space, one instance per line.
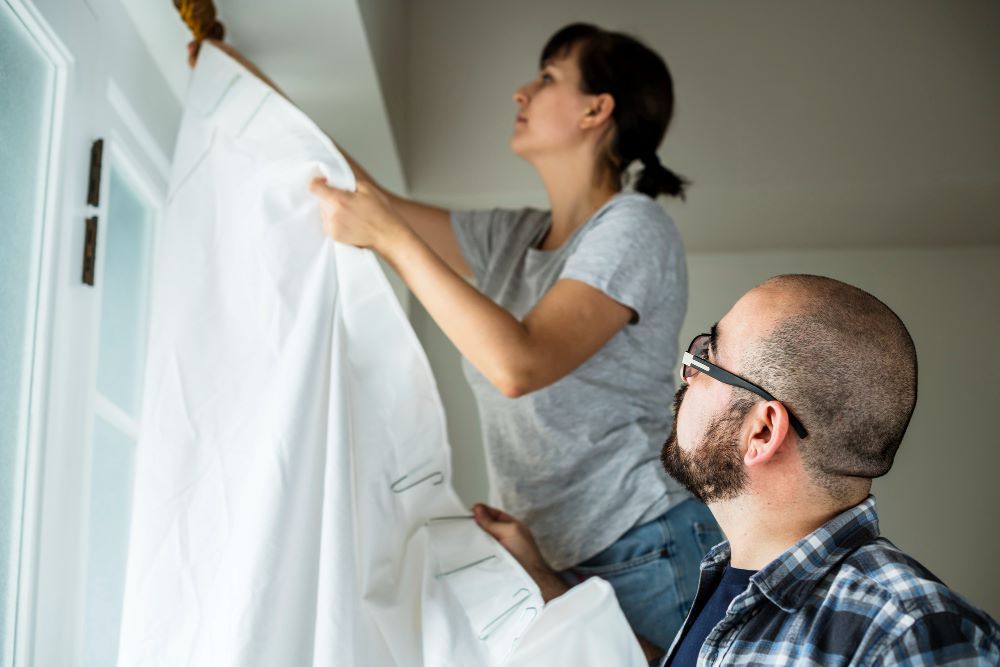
(656,180)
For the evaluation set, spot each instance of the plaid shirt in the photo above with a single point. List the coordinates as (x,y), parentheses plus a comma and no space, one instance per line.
(844,596)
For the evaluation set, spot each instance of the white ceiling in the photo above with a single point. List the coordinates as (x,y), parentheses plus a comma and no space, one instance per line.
(801,125)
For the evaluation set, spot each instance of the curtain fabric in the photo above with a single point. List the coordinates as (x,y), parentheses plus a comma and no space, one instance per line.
(292,455)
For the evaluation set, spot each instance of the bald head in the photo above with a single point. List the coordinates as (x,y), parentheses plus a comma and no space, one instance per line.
(842,362)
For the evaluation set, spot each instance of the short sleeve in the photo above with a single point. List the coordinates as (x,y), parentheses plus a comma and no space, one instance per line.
(484,234)
(474,230)
(633,254)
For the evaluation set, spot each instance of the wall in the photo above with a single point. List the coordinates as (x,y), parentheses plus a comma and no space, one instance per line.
(865,122)
(941,498)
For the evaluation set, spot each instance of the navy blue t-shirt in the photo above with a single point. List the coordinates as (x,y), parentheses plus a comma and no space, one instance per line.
(734,581)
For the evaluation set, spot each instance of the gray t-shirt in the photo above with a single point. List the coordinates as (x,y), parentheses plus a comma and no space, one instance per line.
(578,460)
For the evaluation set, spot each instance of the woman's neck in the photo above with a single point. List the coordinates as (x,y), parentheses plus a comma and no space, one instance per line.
(573,196)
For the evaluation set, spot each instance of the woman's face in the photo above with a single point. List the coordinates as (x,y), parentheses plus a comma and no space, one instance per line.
(550,110)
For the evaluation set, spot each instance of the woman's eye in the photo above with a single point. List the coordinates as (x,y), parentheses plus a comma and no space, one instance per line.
(546,77)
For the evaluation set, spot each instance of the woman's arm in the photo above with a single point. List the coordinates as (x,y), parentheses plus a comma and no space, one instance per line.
(567,327)
(433,225)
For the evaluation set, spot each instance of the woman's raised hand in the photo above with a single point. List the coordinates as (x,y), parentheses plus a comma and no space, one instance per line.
(362,218)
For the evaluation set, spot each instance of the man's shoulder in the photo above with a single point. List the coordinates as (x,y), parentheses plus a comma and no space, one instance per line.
(903,607)
(885,572)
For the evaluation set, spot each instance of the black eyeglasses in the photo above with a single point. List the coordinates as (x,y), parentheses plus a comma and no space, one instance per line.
(696,361)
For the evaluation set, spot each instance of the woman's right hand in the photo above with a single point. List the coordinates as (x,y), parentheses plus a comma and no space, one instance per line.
(516,538)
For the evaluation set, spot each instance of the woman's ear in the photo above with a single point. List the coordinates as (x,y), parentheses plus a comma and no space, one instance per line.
(599,111)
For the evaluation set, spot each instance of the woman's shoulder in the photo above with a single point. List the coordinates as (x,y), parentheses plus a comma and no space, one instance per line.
(637,215)
(636,203)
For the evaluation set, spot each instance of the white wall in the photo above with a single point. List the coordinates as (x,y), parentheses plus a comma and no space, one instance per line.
(941,501)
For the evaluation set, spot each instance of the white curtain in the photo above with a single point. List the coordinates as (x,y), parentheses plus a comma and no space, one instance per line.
(292,457)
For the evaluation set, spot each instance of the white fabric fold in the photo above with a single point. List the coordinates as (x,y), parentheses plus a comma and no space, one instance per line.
(582,627)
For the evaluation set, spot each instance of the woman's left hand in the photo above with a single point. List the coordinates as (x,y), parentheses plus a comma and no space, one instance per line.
(362,218)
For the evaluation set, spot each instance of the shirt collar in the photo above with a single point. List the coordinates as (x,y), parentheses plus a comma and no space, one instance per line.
(788,580)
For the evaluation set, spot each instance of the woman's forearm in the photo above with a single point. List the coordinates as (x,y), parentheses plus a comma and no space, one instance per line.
(492,339)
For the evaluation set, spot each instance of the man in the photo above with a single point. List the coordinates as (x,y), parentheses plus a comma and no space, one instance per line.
(793,403)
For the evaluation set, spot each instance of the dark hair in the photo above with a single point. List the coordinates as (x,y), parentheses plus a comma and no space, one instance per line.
(640,83)
(846,365)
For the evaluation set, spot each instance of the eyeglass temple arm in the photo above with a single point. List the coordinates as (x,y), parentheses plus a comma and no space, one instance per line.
(723,375)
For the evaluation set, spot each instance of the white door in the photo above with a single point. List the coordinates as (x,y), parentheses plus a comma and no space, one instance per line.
(72,72)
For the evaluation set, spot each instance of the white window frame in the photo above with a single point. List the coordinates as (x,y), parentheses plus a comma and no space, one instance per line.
(37,353)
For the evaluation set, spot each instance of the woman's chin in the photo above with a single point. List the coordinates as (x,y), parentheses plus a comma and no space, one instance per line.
(518,147)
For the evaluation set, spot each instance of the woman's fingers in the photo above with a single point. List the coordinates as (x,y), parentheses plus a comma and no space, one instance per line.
(359,218)
(513,535)
(319,187)
(487,518)
(338,211)
(493,517)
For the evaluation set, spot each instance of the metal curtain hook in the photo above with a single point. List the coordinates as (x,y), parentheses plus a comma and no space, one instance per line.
(493,625)
(534,615)
(396,488)
(464,567)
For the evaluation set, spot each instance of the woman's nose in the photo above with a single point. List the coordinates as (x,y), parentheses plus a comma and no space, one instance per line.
(520,97)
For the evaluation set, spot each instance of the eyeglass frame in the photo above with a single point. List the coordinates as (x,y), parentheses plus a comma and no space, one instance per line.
(702,365)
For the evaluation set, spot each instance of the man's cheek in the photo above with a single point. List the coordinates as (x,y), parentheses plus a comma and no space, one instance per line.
(686,425)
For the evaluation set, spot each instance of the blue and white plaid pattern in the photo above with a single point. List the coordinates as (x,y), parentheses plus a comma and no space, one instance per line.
(844,596)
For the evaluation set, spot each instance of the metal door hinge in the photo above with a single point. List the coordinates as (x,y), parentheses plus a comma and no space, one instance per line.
(93,200)
(90,251)
(94,181)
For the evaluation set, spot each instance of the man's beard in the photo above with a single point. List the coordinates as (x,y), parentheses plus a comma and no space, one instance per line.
(714,469)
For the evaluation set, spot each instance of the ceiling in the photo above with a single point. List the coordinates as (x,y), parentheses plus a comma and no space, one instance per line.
(801,125)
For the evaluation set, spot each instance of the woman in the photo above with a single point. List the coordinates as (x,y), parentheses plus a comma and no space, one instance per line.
(569,336)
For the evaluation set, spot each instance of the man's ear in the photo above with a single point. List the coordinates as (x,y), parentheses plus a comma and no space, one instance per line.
(768,431)
(599,111)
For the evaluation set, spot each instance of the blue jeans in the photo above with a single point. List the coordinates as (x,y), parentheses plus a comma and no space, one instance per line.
(654,569)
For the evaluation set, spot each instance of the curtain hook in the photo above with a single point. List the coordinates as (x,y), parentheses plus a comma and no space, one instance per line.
(396,488)
(464,567)
(493,625)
